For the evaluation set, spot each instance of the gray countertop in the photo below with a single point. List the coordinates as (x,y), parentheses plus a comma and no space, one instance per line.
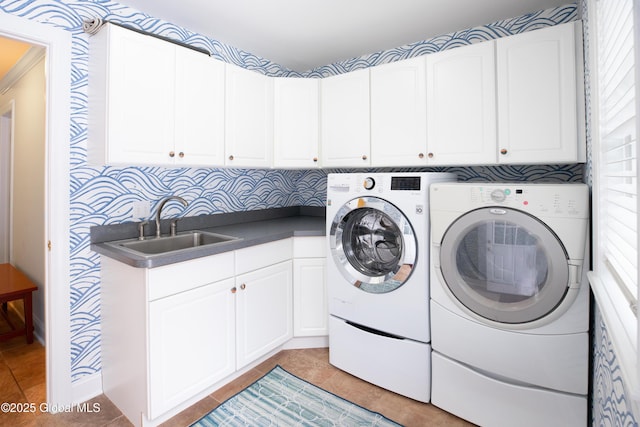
(260,229)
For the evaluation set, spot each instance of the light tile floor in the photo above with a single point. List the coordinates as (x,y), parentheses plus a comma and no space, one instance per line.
(22,381)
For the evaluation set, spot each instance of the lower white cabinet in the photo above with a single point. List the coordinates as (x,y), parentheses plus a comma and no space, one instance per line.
(191,343)
(310,307)
(264,314)
(167,333)
(171,333)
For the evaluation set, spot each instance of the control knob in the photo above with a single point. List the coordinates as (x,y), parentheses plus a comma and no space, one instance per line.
(498,196)
(369,183)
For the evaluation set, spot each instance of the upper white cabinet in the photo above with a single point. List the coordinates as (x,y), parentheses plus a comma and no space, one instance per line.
(131,97)
(138,113)
(199,109)
(345,130)
(514,100)
(461,106)
(248,118)
(537,102)
(296,123)
(398,113)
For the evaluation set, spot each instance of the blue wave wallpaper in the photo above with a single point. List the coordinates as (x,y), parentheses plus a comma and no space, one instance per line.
(100,196)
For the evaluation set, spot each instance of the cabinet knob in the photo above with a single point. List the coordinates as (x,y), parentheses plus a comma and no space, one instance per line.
(364,157)
(503,151)
(181,154)
(172,154)
(231,157)
(243,286)
(233,290)
(430,155)
(315,159)
(421,156)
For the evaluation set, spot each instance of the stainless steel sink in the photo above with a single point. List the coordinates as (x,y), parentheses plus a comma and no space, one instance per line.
(162,245)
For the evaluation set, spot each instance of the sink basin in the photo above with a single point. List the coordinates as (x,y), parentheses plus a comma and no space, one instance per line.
(161,245)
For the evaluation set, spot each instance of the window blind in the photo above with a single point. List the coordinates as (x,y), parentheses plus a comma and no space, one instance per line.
(618,173)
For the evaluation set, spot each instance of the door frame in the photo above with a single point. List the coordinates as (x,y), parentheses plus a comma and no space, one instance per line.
(6,177)
(57,43)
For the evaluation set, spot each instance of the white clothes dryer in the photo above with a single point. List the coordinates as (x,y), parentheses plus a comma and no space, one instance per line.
(509,302)
(378,278)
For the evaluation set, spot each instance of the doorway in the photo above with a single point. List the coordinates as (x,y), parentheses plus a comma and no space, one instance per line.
(22,128)
(57,45)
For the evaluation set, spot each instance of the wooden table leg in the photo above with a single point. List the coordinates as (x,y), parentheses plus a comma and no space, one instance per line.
(28,317)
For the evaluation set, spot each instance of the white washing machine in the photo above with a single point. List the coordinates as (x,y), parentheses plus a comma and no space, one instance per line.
(510,302)
(378,278)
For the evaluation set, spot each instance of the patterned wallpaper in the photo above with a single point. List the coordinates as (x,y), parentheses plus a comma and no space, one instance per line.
(100,196)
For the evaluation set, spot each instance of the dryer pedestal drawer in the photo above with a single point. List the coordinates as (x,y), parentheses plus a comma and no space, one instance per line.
(399,365)
(557,362)
(489,402)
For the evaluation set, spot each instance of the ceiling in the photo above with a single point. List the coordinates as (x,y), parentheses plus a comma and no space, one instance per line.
(12,51)
(304,34)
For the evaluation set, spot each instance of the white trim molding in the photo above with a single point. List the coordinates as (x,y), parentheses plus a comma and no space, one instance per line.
(57,45)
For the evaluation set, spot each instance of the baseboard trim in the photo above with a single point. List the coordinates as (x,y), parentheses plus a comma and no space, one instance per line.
(306,342)
(87,388)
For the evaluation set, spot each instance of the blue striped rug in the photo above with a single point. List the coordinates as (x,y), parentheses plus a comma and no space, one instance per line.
(282,399)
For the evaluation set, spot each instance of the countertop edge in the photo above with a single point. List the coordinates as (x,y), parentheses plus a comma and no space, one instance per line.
(248,234)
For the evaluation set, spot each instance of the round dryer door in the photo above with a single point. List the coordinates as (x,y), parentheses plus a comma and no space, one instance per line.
(504,265)
(373,244)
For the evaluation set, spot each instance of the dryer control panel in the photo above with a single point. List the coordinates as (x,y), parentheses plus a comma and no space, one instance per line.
(539,199)
(562,200)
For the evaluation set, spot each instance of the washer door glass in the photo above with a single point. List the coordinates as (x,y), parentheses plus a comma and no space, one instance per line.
(373,245)
(504,265)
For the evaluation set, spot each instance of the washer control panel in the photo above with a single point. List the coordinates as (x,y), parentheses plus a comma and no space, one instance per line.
(377,183)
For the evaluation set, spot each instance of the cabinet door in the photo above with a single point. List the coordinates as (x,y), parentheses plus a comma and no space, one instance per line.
(461,106)
(248,118)
(295,133)
(398,114)
(199,109)
(345,132)
(191,343)
(537,96)
(141,98)
(264,311)
(310,310)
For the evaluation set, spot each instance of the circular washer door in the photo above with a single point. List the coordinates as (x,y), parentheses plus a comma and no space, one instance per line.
(373,245)
(504,265)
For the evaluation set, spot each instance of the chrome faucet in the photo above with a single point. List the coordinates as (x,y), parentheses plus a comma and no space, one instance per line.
(162,203)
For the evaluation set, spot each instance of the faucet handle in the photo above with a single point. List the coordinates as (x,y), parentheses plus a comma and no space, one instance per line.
(141,229)
(174,226)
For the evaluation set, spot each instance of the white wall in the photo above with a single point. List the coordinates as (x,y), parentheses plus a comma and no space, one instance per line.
(28,207)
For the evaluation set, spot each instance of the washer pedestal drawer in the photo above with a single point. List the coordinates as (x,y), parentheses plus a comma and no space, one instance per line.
(488,401)
(396,364)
